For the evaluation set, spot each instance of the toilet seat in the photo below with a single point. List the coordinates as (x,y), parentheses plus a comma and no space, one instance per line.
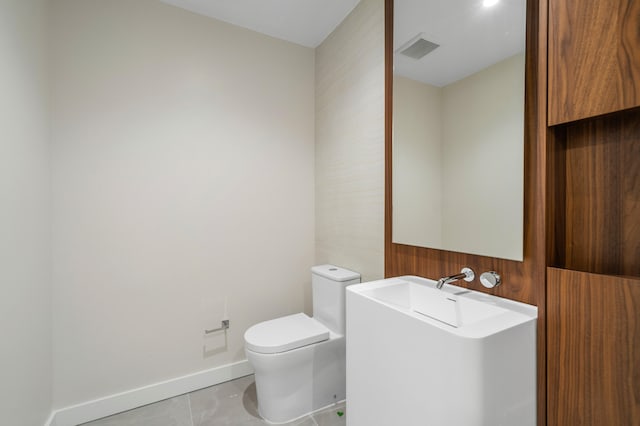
(284,334)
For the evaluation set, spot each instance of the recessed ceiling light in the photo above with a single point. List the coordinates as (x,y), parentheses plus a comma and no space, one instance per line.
(489,3)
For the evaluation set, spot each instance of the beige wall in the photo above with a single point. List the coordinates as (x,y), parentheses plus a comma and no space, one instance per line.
(171,134)
(483,161)
(183,155)
(349,154)
(468,185)
(417,157)
(25,269)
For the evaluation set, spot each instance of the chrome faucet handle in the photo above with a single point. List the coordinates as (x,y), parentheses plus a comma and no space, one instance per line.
(490,279)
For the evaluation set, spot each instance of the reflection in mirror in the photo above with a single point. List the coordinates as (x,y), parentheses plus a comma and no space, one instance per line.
(458,125)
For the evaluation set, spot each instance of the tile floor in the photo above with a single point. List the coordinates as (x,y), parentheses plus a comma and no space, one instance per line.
(230,403)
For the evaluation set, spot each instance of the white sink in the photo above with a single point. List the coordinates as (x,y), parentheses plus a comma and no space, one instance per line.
(454,306)
(417,355)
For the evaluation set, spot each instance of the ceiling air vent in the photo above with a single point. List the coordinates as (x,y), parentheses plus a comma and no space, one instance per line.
(418,47)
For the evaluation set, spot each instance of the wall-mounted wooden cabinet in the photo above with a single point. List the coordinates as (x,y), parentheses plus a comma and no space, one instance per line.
(593,349)
(593,301)
(594,58)
(593,213)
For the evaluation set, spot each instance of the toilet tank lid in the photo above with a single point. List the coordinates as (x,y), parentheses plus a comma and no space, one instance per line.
(335,273)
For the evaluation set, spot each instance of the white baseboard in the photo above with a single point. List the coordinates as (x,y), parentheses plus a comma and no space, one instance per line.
(113,404)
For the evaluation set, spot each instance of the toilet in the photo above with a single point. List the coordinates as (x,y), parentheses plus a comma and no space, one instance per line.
(299,362)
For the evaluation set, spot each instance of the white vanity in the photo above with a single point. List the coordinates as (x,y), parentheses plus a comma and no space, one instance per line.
(419,356)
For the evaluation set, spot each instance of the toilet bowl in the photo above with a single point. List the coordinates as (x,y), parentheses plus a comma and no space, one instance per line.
(299,361)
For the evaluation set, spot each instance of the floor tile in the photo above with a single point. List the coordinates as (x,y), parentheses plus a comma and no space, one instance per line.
(331,416)
(230,403)
(170,412)
(305,421)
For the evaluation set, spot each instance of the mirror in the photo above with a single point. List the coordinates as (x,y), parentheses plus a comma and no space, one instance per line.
(458,125)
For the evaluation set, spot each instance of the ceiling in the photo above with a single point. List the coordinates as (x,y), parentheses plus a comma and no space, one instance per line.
(471,36)
(305,22)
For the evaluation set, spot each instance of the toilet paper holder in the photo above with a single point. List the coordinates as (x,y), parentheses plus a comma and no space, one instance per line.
(224,325)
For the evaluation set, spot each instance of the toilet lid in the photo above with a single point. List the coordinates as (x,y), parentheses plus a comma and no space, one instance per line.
(284,334)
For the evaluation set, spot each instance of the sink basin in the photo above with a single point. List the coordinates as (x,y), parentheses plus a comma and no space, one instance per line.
(418,355)
(476,313)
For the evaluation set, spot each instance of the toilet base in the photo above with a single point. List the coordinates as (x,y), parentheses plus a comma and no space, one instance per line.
(293,384)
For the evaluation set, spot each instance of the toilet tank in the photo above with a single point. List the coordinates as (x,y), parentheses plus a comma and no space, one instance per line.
(328,283)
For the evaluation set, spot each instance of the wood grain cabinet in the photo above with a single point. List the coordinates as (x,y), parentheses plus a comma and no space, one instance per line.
(593,213)
(593,344)
(594,58)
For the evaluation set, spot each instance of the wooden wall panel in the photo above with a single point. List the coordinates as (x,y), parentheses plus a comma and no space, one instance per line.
(556,195)
(594,58)
(630,190)
(520,278)
(602,196)
(523,281)
(593,330)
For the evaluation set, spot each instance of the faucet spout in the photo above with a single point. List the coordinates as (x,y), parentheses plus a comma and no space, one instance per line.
(466,274)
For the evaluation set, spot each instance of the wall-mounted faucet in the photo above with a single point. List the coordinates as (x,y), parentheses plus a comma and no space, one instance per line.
(466,274)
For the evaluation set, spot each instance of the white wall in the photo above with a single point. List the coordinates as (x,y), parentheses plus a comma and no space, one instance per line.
(25,264)
(350,143)
(183,175)
(417,157)
(483,161)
